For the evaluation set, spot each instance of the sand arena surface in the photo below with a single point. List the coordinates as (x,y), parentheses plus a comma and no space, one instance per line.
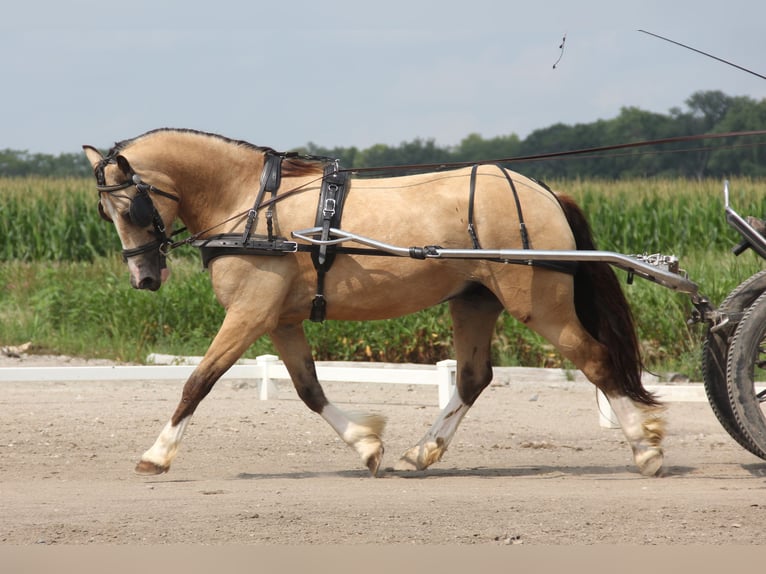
(529,465)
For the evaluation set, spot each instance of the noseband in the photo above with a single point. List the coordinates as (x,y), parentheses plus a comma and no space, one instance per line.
(142,211)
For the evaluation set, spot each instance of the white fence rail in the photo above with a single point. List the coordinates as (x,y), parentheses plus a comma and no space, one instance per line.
(265,369)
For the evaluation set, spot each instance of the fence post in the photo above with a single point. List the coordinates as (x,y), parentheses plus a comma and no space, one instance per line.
(266,387)
(446,373)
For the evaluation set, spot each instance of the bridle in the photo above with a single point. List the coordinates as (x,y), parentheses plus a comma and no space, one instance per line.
(142,210)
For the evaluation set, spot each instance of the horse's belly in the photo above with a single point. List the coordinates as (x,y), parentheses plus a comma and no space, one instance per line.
(390,290)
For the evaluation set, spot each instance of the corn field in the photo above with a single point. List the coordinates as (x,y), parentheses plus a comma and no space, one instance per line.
(65,287)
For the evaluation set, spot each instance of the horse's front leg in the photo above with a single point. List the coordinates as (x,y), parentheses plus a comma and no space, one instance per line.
(360,431)
(232,340)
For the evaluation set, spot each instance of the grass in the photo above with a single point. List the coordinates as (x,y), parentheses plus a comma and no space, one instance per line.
(65,288)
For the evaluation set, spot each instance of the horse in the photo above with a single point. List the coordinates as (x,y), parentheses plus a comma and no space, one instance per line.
(223,188)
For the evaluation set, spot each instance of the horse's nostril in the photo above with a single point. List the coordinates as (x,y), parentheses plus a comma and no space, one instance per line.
(149,283)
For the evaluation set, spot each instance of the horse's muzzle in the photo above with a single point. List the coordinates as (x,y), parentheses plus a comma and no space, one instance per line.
(150,283)
(149,274)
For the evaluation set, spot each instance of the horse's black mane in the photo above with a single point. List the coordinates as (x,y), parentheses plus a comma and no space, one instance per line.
(121,145)
(297,161)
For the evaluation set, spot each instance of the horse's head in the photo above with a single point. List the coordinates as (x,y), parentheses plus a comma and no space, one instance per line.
(128,202)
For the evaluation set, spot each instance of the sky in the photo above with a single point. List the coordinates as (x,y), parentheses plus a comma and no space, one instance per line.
(343,73)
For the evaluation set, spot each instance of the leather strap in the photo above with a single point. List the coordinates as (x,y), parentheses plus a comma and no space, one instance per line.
(329,211)
(471,195)
(271,178)
(471,199)
(569,267)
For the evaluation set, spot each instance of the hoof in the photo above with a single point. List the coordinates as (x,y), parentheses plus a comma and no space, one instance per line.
(373,462)
(147,468)
(363,434)
(407,462)
(420,457)
(650,461)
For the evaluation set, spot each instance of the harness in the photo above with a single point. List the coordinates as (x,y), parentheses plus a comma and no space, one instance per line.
(333,192)
(332,197)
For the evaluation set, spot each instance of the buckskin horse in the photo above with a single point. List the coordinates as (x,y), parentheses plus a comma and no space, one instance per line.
(241,202)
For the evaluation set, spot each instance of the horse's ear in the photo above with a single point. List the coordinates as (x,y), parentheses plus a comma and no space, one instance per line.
(124,165)
(94,156)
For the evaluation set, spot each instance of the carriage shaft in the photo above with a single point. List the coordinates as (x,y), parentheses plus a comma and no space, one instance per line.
(629,263)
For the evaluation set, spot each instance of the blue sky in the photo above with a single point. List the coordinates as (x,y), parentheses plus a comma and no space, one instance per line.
(354,73)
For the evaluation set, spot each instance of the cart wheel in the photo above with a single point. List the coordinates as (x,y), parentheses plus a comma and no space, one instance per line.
(745,367)
(715,356)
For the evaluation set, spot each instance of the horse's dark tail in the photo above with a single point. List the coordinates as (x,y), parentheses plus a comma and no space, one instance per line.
(603,310)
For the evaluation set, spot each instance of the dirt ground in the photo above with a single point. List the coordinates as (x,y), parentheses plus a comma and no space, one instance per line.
(530,465)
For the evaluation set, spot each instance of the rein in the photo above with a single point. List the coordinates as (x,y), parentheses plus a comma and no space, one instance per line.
(265,203)
(555,154)
(164,243)
(454,165)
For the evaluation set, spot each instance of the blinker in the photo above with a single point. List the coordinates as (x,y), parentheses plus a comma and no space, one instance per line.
(141,208)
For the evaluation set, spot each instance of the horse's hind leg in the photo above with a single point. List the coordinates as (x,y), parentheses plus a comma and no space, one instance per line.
(554,316)
(360,431)
(474,314)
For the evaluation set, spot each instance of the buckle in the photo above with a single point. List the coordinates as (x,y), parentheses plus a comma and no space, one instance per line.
(329,207)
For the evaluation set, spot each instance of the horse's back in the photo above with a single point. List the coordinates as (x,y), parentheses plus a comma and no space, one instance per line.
(436,209)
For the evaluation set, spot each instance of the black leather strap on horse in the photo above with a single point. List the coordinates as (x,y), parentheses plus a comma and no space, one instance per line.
(271,177)
(522,225)
(472,197)
(569,267)
(329,211)
(232,244)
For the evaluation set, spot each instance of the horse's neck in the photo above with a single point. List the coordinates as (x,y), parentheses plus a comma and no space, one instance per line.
(215,184)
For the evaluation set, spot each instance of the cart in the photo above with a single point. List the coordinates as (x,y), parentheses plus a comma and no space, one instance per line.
(734,350)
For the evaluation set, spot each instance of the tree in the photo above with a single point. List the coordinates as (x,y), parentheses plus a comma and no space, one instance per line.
(709,107)
(16,163)
(706,112)
(743,114)
(475,148)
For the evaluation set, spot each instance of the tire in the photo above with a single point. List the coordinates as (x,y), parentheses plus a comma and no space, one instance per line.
(746,365)
(715,351)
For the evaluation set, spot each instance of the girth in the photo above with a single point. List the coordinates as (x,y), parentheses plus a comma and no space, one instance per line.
(329,211)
